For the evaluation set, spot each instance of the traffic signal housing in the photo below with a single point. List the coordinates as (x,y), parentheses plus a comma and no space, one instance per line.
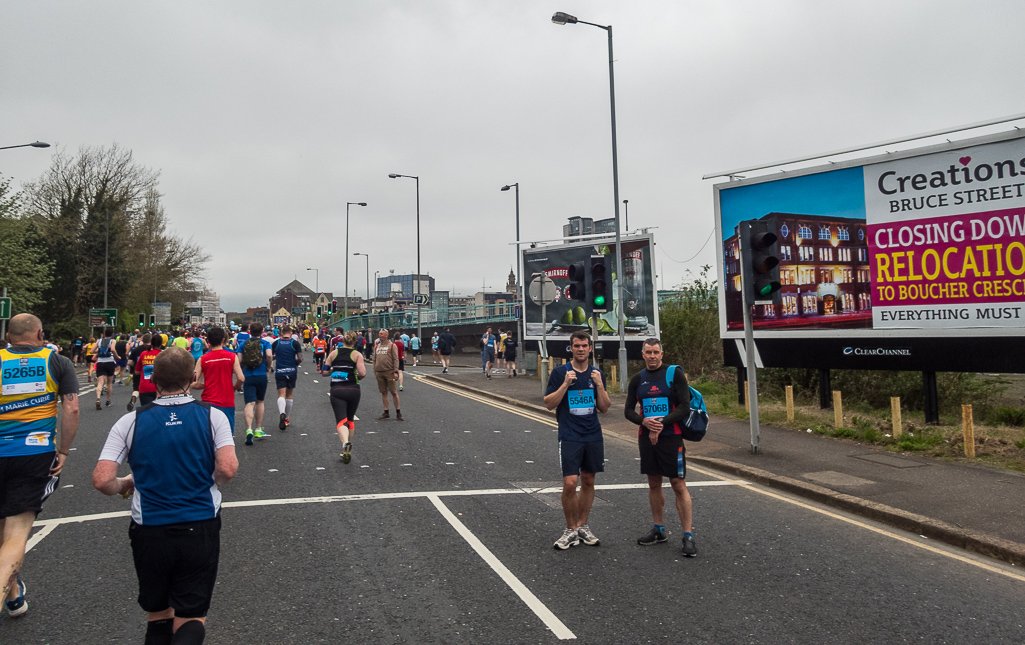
(320,310)
(759,262)
(577,288)
(142,320)
(334,306)
(152,320)
(600,296)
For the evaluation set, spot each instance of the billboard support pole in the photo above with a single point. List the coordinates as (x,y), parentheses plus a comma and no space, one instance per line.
(825,400)
(749,343)
(544,335)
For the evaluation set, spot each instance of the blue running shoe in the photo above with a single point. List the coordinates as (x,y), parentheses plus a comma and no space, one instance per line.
(18,606)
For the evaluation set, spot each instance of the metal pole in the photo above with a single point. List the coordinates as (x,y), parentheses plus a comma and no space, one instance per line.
(626,214)
(345,306)
(749,347)
(106,257)
(419,307)
(619,249)
(544,337)
(3,323)
(519,285)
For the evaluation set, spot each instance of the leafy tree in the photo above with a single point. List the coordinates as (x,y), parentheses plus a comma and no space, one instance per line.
(24,265)
(689,321)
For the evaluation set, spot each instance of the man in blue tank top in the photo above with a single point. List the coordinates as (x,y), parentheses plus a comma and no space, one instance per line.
(664,405)
(288,354)
(180,452)
(576,391)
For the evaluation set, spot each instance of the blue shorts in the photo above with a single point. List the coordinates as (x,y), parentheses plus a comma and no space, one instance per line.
(577,456)
(255,388)
(286,381)
(230,413)
(121,362)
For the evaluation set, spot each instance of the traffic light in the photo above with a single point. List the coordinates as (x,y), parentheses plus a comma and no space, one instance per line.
(320,310)
(142,320)
(577,288)
(334,306)
(599,284)
(152,320)
(759,262)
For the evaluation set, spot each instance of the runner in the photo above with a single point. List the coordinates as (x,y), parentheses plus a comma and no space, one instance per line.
(319,350)
(414,348)
(90,356)
(31,379)
(401,347)
(182,341)
(106,359)
(288,355)
(386,371)
(487,351)
(446,343)
(121,347)
(510,355)
(337,339)
(133,366)
(306,336)
(256,366)
(214,371)
(76,350)
(144,371)
(576,391)
(434,348)
(500,353)
(345,368)
(198,346)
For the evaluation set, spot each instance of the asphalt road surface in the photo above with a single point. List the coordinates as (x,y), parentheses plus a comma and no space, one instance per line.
(441,531)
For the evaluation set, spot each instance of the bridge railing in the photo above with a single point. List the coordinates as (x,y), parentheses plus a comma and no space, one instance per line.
(447,316)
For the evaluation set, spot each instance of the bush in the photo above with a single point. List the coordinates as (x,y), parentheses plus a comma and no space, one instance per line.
(690,328)
(1011,417)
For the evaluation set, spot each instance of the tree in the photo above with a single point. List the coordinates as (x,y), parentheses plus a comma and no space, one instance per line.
(24,266)
(689,322)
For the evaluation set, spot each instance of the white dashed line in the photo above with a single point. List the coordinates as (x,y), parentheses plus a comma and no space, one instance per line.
(450,463)
(405,432)
(273,470)
(364,466)
(320,468)
(489,462)
(371,432)
(437,432)
(466,431)
(529,462)
(497,431)
(68,486)
(407,464)
(316,381)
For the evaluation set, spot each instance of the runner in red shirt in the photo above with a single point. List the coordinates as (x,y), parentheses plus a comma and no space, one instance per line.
(144,368)
(397,340)
(213,375)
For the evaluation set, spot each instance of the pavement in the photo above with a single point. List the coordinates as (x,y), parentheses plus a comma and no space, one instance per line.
(971,506)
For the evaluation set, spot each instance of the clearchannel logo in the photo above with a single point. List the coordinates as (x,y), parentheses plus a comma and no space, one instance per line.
(876,351)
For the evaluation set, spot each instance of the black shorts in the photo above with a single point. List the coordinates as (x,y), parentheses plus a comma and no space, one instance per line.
(344,401)
(577,456)
(176,565)
(445,352)
(510,356)
(402,365)
(26,482)
(286,381)
(667,458)
(414,352)
(105,369)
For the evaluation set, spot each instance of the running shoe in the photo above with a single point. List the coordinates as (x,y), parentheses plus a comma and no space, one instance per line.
(398,416)
(282,421)
(400,388)
(259,433)
(585,535)
(569,538)
(249,437)
(131,404)
(444,370)
(346,452)
(288,422)
(18,606)
(98,406)
(689,549)
(108,403)
(654,536)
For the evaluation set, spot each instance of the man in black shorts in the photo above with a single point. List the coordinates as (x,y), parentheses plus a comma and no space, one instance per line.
(446,343)
(576,391)
(180,452)
(665,403)
(31,379)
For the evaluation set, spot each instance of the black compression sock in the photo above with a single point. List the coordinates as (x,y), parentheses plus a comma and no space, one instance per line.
(159,632)
(191,633)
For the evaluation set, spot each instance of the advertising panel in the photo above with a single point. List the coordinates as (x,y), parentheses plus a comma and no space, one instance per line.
(162,312)
(922,243)
(564,314)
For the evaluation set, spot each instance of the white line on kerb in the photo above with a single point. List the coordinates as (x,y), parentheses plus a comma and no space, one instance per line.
(540,610)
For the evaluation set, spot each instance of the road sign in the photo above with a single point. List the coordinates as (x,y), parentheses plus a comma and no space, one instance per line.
(5,308)
(102,317)
(162,311)
(421,299)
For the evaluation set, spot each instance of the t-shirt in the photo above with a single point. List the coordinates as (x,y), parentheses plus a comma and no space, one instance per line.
(121,347)
(405,341)
(196,347)
(402,350)
(261,369)
(414,342)
(510,346)
(446,343)
(218,368)
(577,413)
(489,341)
(134,356)
(181,342)
(434,342)
(240,340)
(28,413)
(145,368)
(319,346)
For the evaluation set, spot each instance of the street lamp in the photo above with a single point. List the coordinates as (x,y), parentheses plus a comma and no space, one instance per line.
(346,293)
(419,322)
(626,213)
(34,144)
(317,286)
(368,272)
(561,18)
(518,286)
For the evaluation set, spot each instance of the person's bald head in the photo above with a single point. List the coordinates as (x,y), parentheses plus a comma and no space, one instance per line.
(25,329)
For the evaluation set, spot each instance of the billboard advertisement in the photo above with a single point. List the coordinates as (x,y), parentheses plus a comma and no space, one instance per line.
(564,315)
(921,243)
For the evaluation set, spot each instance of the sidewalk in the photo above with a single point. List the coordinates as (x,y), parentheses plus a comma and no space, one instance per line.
(974,507)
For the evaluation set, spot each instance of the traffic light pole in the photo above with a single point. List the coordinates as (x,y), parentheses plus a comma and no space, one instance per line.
(749,340)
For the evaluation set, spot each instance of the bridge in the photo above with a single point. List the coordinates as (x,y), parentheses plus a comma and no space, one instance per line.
(430,318)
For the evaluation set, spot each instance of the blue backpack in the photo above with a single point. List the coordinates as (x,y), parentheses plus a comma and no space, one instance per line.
(104,349)
(692,428)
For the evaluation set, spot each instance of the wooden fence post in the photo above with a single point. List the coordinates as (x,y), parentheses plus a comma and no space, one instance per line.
(747,400)
(612,373)
(790,403)
(968,430)
(837,410)
(898,425)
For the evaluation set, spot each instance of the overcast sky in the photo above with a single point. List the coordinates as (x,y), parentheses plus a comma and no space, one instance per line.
(265,118)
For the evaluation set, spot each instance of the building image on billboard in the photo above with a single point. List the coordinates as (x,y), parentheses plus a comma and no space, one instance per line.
(824,273)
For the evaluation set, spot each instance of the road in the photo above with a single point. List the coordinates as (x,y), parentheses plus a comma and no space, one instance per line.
(441,531)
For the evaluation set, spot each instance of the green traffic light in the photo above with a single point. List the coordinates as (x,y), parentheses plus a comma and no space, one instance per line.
(599,301)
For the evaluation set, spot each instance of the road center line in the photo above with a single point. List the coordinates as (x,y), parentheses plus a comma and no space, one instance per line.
(550,620)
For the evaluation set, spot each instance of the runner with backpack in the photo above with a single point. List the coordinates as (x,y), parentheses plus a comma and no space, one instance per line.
(106,359)
(256,362)
(671,411)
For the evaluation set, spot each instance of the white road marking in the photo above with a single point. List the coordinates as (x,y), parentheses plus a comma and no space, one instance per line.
(407,464)
(489,462)
(371,432)
(497,431)
(72,448)
(68,486)
(273,470)
(529,462)
(405,432)
(302,434)
(437,432)
(38,537)
(316,381)
(320,468)
(306,373)
(550,620)
(364,466)
(450,463)
(466,431)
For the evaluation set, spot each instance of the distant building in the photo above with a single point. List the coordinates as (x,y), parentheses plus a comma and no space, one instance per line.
(257,315)
(403,286)
(586,226)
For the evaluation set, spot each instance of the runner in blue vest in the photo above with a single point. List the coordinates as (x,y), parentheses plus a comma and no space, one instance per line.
(663,406)
(198,346)
(180,452)
(576,391)
(288,354)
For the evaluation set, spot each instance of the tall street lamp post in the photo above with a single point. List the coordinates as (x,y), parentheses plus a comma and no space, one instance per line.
(626,214)
(419,322)
(317,285)
(367,256)
(34,144)
(345,307)
(520,329)
(561,18)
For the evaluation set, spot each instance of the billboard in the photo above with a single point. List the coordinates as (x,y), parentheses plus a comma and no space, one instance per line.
(162,311)
(566,315)
(927,243)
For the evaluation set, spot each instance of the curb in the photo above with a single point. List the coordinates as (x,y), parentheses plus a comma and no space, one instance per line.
(975,541)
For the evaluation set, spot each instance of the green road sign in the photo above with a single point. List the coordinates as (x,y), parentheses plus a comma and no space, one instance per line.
(102,317)
(5,308)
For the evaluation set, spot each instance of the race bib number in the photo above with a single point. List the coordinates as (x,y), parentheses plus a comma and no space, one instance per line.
(38,439)
(24,376)
(147,372)
(341,374)
(285,370)
(655,407)
(581,402)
